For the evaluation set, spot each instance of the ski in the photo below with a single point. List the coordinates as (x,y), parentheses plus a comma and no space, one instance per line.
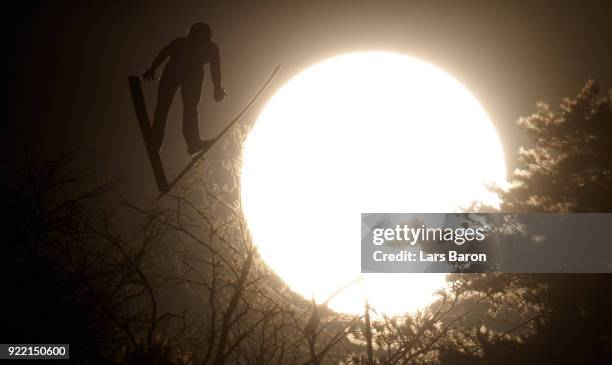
(145,129)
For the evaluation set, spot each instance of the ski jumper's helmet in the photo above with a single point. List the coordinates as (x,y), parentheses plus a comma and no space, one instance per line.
(200,32)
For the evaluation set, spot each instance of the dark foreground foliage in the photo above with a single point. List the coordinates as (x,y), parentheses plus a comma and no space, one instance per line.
(182,283)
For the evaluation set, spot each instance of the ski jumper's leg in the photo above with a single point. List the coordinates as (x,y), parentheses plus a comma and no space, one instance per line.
(168,84)
(191,88)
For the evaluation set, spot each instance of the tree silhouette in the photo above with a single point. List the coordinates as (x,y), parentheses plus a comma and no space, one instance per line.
(568,168)
(72,278)
(184,284)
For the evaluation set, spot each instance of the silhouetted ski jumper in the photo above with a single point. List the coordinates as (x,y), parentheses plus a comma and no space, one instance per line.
(185,68)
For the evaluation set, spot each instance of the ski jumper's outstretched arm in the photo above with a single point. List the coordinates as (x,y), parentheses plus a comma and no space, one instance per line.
(215,73)
(163,55)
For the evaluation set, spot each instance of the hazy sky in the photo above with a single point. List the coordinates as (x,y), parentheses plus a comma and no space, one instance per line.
(68,85)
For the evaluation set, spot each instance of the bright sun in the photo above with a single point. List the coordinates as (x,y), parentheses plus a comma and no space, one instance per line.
(362,132)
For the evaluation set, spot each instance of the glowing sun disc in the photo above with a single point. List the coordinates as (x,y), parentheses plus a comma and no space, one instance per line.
(362,132)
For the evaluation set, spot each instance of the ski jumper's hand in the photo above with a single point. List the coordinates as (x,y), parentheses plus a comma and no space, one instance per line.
(149,74)
(220,94)
(165,53)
